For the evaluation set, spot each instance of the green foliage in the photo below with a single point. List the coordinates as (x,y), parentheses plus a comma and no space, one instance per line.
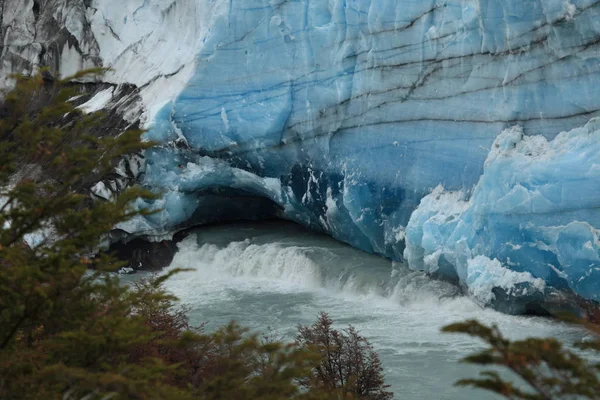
(349,366)
(547,369)
(64,329)
(69,329)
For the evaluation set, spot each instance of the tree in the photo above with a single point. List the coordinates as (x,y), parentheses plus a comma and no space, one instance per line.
(546,368)
(64,330)
(349,365)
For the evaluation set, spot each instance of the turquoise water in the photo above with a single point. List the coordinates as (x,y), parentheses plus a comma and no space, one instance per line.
(273,276)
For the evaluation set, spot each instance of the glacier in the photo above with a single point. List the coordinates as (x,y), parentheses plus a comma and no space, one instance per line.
(456,135)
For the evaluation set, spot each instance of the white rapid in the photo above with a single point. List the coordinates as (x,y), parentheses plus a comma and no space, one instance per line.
(273,276)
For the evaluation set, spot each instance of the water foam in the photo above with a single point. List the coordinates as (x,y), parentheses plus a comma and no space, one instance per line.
(304,267)
(244,260)
(279,277)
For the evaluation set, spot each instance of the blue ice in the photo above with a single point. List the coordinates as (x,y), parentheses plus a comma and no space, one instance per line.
(372,120)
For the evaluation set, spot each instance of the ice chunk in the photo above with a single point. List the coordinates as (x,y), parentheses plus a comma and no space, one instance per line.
(535,210)
(484,275)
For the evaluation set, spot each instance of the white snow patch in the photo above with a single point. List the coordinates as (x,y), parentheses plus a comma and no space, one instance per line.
(98,102)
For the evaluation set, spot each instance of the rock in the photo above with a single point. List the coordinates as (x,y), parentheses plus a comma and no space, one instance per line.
(142,255)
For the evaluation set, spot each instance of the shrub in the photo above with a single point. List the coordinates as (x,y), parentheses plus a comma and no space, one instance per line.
(348,366)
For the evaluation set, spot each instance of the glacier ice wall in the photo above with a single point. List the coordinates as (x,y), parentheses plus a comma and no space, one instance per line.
(344,115)
(360,108)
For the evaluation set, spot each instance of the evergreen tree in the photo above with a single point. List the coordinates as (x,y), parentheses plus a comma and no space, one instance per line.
(64,329)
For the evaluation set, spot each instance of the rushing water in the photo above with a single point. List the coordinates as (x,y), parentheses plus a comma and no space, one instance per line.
(275,275)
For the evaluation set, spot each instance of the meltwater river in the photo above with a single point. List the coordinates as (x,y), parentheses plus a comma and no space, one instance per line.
(275,275)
